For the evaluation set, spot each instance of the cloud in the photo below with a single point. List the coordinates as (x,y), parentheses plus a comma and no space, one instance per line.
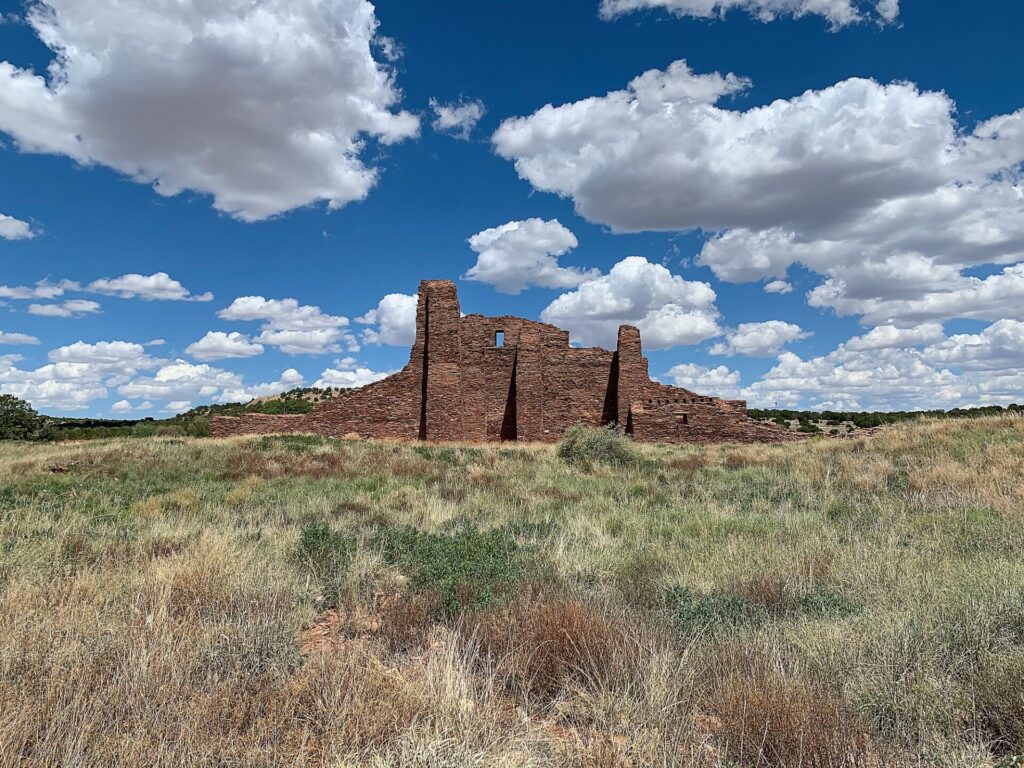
(458,119)
(395,321)
(759,339)
(714,382)
(70,308)
(778,286)
(181,381)
(887,368)
(64,387)
(998,348)
(891,337)
(839,13)
(348,374)
(293,328)
(876,187)
(15,229)
(521,254)
(944,293)
(265,105)
(44,289)
(156,287)
(17,338)
(114,361)
(290,379)
(889,379)
(76,375)
(80,373)
(667,309)
(217,345)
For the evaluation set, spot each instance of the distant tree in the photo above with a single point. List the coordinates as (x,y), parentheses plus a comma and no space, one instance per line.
(18,419)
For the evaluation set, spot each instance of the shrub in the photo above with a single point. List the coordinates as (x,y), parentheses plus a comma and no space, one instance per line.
(198,427)
(467,570)
(585,446)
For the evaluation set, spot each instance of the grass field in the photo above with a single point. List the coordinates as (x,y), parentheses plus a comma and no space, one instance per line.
(301,601)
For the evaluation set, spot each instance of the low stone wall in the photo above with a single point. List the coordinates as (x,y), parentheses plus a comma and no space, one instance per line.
(258,424)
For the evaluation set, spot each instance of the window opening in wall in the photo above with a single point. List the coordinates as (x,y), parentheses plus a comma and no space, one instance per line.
(685,418)
(499,339)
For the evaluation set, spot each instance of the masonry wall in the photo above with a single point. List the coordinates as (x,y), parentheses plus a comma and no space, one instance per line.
(461,385)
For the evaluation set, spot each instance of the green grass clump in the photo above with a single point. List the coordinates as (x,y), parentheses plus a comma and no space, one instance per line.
(327,554)
(586,446)
(465,570)
(694,612)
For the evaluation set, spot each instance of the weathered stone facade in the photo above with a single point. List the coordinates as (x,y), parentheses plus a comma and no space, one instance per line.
(479,379)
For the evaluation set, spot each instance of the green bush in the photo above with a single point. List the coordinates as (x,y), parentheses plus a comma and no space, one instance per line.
(18,419)
(586,446)
(198,427)
(284,406)
(466,570)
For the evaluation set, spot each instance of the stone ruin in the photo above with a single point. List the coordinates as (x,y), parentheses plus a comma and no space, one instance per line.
(487,379)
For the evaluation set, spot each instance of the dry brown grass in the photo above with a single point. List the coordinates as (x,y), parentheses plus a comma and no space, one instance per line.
(762,716)
(544,644)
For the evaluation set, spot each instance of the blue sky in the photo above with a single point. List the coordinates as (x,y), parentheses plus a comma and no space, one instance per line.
(813,204)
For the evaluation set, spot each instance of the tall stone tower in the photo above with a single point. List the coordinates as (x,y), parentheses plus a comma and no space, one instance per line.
(437,345)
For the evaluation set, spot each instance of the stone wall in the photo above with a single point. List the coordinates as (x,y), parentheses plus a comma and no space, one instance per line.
(479,379)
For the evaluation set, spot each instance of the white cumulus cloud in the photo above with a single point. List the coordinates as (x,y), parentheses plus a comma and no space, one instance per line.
(998,348)
(891,337)
(778,286)
(290,379)
(218,345)
(158,286)
(714,382)
(76,375)
(521,254)
(759,339)
(876,187)
(182,381)
(394,319)
(69,308)
(15,229)
(265,105)
(667,309)
(888,379)
(347,373)
(44,289)
(458,119)
(17,338)
(294,328)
